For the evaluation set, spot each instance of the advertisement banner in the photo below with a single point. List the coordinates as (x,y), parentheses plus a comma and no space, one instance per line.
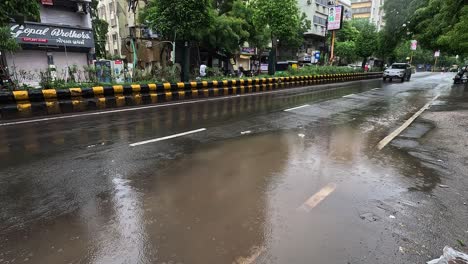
(43,34)
(248,51)
(335,18)
(414,45)
(47,2)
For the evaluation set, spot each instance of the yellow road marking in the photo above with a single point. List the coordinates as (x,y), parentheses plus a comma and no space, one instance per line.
(253,257)
(384,142)
(318,197)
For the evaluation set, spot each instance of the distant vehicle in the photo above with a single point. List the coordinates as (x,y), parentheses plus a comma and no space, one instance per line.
(283,66)
(400,71)
(461,76)
(454,68)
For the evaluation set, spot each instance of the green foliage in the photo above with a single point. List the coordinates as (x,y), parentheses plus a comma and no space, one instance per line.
(100,30)
(17,10)
(318,70)
(226,32)
(442,24)
(367,40)
(6,42)
(223,6)
(348,33)
(346,50)
(259,35)
(420,56)
(185,18)
(282,18)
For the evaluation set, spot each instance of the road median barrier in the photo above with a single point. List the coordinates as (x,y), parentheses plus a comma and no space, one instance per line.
(22,104)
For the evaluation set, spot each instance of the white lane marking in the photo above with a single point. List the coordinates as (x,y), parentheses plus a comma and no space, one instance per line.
(168,137)
(349,95)
(375,89)
(252,258)
(384,142)
(299,107)
(317,198)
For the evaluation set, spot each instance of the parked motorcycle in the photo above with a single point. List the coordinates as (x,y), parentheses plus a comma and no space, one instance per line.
(461,76)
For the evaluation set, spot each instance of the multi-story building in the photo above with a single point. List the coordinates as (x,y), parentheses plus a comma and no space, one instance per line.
(127,38)
(369,9)
(62,37)
(317,12)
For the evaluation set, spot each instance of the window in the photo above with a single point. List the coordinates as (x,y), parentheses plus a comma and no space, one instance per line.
(361,10)
(102,12)
(320,20)
(322,2)
(114,38)
(111,7)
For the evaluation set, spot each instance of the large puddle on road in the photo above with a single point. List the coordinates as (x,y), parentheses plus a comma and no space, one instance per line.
(238,200)
(235,201)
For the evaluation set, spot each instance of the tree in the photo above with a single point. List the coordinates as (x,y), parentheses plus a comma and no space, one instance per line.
(225,33)
(346,50)
(441,24)
(367,40)
(348,32)
(18,11)
(284,21)
(420,55)
(259,35)
(223,6)
(181,19)
(100,30)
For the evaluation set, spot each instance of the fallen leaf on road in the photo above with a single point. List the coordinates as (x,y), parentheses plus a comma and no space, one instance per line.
(461,243)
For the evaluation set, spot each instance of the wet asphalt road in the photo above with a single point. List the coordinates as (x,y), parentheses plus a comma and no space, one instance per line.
(259,185)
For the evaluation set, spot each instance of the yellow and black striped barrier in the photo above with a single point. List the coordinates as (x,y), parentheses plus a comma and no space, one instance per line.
(16,104)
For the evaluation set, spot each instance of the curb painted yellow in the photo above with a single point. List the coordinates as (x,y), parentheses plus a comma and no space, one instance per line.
(118,89)
(136,88)
(21,95)
(99,90)
(49,93)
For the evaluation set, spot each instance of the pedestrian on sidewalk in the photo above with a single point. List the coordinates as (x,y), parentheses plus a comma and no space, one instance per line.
(203,70)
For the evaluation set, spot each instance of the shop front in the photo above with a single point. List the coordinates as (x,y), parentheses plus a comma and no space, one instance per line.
(48,48)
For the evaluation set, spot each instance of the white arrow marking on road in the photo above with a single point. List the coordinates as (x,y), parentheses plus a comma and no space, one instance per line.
(168,137)
(299,107)
(317,198)
(384,142)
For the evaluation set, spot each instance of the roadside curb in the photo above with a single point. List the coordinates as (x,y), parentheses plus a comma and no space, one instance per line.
(22,104)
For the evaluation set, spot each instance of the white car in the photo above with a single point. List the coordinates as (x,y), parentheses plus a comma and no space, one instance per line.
(400,71)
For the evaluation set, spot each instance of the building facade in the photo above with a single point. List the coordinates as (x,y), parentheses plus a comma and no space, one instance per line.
(60,39)
(317,12)
(369,9)
(128,39)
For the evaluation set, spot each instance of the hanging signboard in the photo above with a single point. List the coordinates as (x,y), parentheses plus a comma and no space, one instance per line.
(414,45)
(47,2)
(335,18)
(43,34)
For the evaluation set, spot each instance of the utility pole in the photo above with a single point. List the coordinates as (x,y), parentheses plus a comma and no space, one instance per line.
(332,52)
(186,66)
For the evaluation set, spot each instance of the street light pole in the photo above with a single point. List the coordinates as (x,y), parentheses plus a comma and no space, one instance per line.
(332,52)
